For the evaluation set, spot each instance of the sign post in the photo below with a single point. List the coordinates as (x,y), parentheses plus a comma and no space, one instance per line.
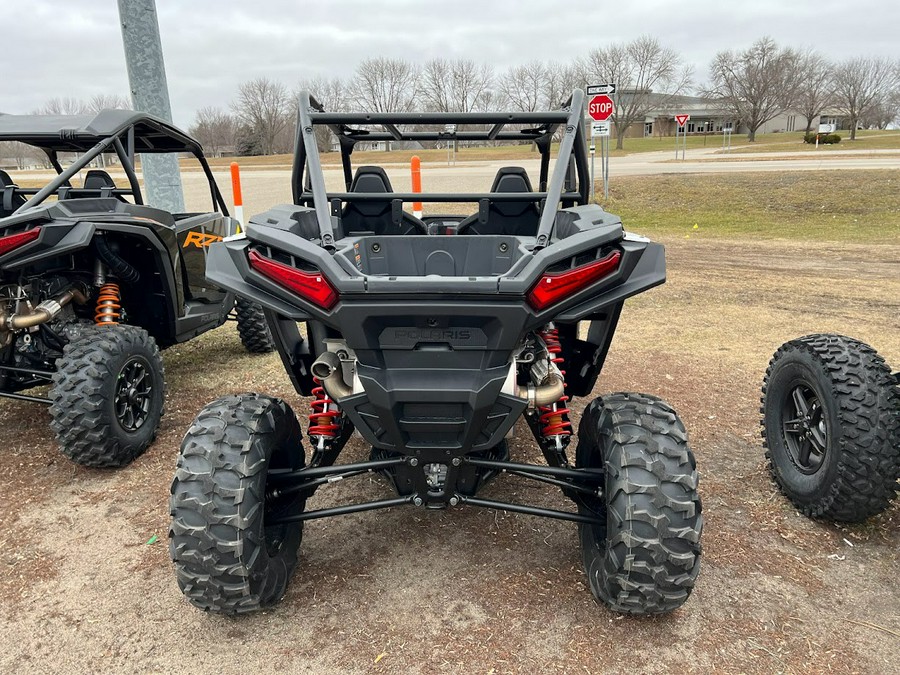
(726,139)
(600,107)
(680,122)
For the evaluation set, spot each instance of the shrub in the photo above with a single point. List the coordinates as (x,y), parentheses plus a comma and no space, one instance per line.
(825,139)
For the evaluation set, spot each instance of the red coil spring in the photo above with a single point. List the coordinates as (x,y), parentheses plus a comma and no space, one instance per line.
(324,415)
(555,418)
(108,306)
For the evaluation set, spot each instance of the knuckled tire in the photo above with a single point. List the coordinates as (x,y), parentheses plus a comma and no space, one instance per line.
(227,558)
(107,395)
(644,557)
(253,327)
(831,425)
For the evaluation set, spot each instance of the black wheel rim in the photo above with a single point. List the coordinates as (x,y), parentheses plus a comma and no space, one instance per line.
(134,394)
(805,429)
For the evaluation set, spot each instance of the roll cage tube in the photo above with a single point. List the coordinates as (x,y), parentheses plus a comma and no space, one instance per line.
(308,182)
(126,158)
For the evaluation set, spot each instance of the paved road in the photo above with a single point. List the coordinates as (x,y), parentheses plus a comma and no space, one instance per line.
(264,187)
(268,186)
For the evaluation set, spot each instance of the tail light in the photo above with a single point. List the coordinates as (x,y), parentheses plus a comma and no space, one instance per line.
(555,286)
(311,286)
(14,241)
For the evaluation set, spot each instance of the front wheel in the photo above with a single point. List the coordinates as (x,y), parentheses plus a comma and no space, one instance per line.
(229,556)
(644,555)
(107,396)
(831,424)
(253,327)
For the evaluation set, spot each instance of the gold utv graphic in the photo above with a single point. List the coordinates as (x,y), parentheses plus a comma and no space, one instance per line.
(200,239)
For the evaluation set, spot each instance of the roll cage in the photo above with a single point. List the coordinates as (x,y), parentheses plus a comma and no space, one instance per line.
(124,132)
(568,184)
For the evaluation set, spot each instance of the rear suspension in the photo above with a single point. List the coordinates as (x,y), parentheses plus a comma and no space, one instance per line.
(324,418)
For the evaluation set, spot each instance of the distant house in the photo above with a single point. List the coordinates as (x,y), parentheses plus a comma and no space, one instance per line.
(706,116)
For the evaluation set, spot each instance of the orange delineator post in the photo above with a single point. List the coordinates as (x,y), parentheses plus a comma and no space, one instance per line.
(236,192)
(415,165)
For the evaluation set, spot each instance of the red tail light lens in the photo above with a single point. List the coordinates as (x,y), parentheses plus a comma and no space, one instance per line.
(312,286)
(555,286)
(14,241)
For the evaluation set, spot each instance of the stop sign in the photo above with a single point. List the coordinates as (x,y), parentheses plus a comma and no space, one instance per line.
(600,107)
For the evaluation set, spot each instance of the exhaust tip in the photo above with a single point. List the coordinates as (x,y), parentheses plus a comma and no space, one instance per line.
(325,365)
(321,370)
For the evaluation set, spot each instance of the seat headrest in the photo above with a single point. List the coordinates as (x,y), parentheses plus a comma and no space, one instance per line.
(97,179)
(370,179)
(5,179)
(512,179)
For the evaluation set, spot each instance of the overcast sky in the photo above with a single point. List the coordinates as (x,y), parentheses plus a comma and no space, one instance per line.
(74,47)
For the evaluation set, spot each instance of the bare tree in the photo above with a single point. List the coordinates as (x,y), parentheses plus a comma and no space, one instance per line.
(524,87)
(560,80)
(755,85)
(100,102)
(861,84)
(215,129)
(455,86)
(385,85)
(64,105)
(332,94)
(814,93)
(647,76)
(262,105)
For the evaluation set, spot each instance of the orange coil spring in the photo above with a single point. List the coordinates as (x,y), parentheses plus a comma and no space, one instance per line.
(325,413)
(555,418)
(108,306)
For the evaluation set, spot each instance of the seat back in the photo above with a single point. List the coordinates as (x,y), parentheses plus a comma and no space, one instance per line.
(10,198)
(508,218)
(376,216)
(97,179)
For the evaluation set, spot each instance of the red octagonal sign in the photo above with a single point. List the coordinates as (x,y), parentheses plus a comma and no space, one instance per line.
(600,107)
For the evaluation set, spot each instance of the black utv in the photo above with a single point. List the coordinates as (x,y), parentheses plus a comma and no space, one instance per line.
(431,338)
(93,281)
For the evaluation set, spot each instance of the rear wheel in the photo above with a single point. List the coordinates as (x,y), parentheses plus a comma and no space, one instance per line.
(228,557)
(107,395)
(831,424)
(253,327)
(644,557)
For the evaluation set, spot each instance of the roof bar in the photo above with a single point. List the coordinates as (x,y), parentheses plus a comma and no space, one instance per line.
(439,196)
(546,117)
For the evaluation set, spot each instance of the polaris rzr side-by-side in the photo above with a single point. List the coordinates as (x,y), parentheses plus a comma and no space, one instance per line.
(93,282)
(431,347)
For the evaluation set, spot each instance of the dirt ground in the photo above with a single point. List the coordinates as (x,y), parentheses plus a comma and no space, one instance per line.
(469,591)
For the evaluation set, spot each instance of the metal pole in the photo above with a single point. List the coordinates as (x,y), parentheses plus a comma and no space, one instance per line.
(150,93)
(593,152)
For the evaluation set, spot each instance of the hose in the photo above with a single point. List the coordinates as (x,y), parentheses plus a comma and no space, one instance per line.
(120,267)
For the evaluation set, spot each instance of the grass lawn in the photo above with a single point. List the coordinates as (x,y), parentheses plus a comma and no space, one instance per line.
(853,206)
(793,142)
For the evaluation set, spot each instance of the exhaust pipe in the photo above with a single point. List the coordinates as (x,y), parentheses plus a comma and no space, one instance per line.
(327,368)
(547,393)
(44,312)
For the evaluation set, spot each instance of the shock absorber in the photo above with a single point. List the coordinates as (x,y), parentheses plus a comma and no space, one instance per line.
(324,417)
(108,305)
(554,418)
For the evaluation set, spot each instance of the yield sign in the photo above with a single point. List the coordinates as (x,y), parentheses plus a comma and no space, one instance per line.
(600,107)
(682,119)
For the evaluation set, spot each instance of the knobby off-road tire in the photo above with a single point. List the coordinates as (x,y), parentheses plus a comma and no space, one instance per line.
(253,327)
(227,559)
(107,395)
(840,459)
(645,556)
